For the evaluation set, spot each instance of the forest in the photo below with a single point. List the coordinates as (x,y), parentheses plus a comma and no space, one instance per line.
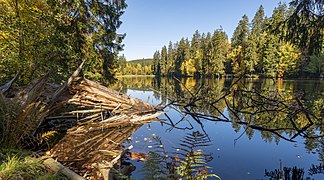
(55,53)
(264,46)
(56,36)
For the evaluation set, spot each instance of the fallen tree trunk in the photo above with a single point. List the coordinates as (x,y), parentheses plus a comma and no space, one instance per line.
(89,93)
(8,85)
(103,118)
(57,167)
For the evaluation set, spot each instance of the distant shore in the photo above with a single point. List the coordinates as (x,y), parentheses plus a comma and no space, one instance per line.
(135,76)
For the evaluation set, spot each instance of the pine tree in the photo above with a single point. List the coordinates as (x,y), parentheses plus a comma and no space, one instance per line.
(207,54)
(271,56)
(180,57)
(196,52)
(170,65)
(164,61)
(239,44)
(241,32)
(56,36)
(219,50)
(306,27)
(157,63)
(255,41)
(279,57)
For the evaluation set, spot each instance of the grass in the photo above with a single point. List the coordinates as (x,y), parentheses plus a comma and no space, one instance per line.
(21,115)
(18,164)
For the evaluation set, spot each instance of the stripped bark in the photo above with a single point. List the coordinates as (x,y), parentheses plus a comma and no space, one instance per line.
(57,167)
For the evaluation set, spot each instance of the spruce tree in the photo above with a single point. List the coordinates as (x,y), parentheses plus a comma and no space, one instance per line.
(164,61)
(170,64)
(180,56)
(219,50)
(157,63)
(196,53)
(255,41)
(239,44)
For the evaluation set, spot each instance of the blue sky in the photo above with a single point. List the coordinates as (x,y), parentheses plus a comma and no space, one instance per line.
(150,24)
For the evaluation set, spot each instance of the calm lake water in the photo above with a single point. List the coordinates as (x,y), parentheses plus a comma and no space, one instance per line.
(237,150)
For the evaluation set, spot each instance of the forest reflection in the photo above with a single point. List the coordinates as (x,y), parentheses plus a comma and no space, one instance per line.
(278,109)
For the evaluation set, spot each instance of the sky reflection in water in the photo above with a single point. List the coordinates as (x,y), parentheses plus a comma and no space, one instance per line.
(242,159)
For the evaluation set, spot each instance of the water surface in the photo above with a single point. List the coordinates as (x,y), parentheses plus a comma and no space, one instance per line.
(238,152)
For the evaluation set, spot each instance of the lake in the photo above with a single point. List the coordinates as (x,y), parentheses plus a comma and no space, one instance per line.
(244,128)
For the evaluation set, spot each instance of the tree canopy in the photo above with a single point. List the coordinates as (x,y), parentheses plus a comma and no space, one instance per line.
(55,35)
(276,46)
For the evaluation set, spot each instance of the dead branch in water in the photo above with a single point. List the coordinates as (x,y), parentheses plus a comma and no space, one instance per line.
(252,108)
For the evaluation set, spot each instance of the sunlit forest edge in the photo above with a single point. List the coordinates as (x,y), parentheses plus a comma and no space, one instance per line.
(257,48)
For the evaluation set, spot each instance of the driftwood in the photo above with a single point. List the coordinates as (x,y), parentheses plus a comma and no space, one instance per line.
(7,86)
(67,84)
(91,94)
(93,152)
(57,167)
(103,119)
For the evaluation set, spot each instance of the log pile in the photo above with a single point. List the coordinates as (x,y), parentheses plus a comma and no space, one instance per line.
(92,154)
(106,119)
(99,119)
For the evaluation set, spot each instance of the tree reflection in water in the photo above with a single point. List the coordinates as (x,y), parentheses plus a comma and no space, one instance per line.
(278,110)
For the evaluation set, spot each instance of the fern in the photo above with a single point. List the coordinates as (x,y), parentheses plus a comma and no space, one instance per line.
(193,159)
(156,166)
(188,162)
(46,136)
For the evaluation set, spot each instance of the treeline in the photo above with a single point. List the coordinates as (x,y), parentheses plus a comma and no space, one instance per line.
(134,67)
(57,35)
(257,47)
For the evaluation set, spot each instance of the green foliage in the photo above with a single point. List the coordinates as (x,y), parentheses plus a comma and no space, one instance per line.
(134,67)
(241,33)
(56,36)
(143,62)
(157,63)
(306,27)
(316,65)
(164,61)
(204,55)
(270,55)
(153,168)
(288,56)
(255,41)
(279,58)
(257,47)
(21,165)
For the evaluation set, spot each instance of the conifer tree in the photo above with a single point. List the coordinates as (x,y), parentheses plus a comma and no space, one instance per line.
(170,53)
(157,63)
(239,44)
(255,41)
(179,57)
(306,27)
(279,57)
(196,52)
(219,50)
(164,61)
(207,54)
